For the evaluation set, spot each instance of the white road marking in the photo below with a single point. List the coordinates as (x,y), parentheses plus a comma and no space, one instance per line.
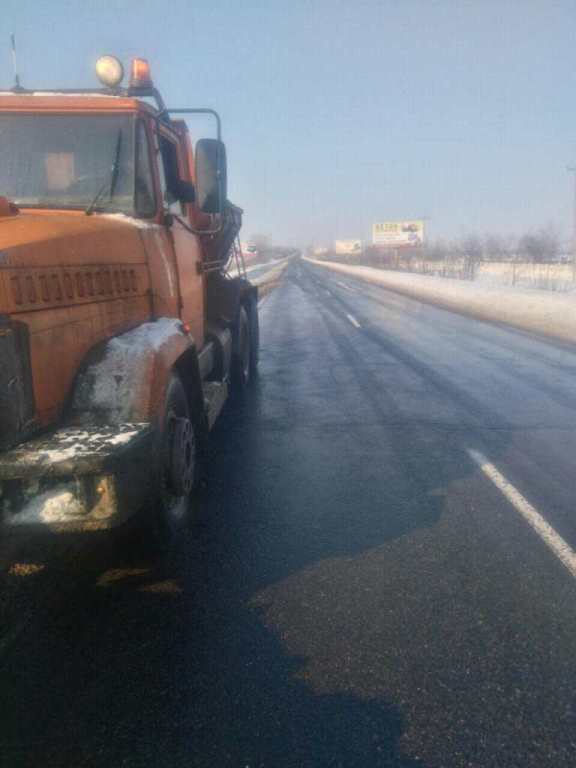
(343,285)
(353,320)
(553,540)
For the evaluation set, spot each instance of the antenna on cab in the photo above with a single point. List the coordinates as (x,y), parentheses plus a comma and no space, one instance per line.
(17,87)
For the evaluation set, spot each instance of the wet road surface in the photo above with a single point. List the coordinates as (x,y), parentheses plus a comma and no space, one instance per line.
(353,590)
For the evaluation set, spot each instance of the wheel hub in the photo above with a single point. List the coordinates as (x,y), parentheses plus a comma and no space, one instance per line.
(182,455)
(245,352)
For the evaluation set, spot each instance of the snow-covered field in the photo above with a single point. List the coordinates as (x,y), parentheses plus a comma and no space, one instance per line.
(548,277)
(521,274)
(545,312)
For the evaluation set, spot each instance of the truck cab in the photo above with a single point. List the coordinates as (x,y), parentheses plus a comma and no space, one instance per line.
(121,332)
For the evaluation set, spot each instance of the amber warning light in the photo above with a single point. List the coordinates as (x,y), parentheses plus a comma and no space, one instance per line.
(140,75)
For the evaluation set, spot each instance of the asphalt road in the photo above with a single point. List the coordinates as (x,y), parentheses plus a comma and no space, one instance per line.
(354,589)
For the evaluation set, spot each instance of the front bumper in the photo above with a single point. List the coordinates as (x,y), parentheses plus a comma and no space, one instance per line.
(77,479)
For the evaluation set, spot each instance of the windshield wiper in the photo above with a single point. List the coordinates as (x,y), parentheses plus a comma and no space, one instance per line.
(114,171)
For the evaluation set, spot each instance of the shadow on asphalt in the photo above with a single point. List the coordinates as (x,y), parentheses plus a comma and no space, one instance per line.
(132,663)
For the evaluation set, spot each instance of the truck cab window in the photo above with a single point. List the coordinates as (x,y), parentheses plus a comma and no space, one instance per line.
(144,181)
(65,161)
(171,174)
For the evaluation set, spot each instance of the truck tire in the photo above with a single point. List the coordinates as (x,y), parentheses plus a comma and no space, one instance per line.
(176,470)
(254,338)
(242,355)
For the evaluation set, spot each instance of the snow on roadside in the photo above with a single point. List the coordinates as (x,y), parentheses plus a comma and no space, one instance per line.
(233,272)
(271,275)
(547,313)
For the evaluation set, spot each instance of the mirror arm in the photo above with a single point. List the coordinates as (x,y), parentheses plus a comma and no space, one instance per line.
(199,111)
(193,231)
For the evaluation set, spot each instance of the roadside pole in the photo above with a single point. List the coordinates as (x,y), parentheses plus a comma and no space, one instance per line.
(572,169)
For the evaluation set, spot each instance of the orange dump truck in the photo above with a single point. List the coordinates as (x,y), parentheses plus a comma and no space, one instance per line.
(121,333)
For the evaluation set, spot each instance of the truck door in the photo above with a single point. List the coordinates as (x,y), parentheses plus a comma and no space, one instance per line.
(186,245)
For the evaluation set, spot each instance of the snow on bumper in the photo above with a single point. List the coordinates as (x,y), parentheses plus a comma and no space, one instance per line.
(76,479)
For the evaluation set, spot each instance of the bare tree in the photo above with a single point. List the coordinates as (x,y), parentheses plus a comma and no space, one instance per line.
(436,251)
(541,246)
(497,248)
(471,250)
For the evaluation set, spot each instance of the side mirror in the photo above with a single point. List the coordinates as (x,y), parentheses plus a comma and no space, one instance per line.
(211,177)
(185,191)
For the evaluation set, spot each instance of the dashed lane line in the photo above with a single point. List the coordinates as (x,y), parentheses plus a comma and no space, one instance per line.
(549,536)
(347,287)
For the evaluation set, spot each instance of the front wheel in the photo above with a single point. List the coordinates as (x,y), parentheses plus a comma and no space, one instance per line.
(176,468)
(254,323)
(241,352)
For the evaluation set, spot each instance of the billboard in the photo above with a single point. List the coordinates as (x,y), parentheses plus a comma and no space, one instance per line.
(348,246)
(398,233)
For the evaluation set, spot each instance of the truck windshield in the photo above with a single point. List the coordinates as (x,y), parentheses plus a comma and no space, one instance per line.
(65,161)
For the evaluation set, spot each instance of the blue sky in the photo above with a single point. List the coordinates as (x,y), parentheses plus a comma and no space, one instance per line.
(338,114)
